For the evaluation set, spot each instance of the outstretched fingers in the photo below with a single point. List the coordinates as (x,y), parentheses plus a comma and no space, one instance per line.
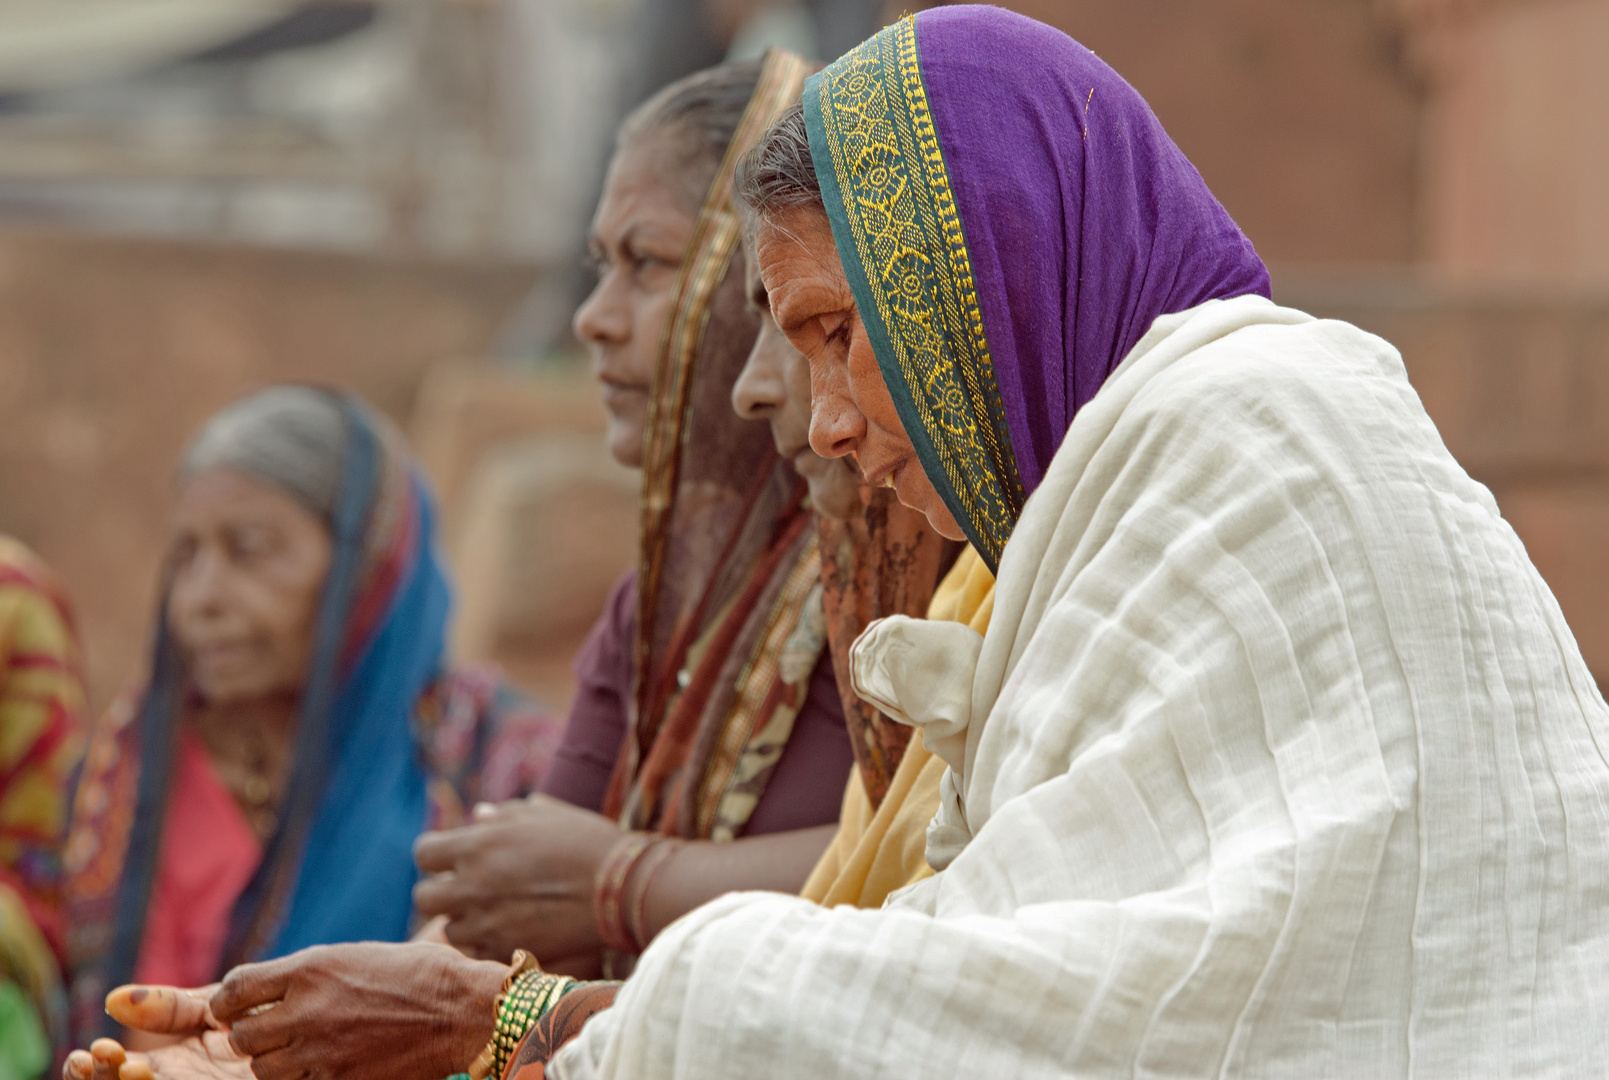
(439,851)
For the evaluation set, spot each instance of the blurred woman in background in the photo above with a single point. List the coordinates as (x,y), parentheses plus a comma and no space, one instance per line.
(299,729)
(41,739)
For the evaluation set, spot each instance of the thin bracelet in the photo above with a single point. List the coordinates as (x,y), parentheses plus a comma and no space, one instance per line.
(650,863)
(611,882)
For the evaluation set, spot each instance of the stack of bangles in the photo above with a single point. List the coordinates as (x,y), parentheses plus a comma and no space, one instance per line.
(529,993)
(620,890)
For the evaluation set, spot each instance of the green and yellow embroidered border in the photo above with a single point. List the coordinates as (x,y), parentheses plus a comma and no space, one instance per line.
(899,236)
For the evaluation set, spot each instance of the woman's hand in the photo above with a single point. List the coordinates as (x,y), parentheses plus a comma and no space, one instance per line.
(359,1012)
(519,877)
(205,1057)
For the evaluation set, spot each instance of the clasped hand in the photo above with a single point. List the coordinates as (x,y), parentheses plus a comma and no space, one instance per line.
(520,876)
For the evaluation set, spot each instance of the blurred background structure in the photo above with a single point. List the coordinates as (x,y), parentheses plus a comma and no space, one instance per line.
(198,198)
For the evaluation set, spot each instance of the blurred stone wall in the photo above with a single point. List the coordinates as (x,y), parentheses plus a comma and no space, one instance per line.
(537,519)
(113,351)
(1515,146)
(1300,114)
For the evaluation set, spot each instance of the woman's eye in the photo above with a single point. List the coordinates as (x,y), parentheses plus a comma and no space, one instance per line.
(249,544)
(648,262)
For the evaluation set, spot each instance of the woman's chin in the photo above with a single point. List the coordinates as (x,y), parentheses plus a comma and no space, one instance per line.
(625,442)
(835,494)
(943,521)
(915,492)
(233,690)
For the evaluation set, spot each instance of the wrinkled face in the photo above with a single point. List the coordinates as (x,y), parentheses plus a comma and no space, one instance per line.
(248,564)
(775,386)
(642,228)
(851,411)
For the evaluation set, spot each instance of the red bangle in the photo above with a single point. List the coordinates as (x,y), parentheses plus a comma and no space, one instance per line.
(652,861)
(608,885)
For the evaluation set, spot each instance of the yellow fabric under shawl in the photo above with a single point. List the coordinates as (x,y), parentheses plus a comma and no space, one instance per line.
(877,851)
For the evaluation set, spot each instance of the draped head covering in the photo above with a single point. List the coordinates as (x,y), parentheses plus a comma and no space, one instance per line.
(728,570)
(1009,233)
(339,866)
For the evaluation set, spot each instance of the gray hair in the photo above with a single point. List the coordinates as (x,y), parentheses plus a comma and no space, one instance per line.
(778,174)
(702,113)
(293,437)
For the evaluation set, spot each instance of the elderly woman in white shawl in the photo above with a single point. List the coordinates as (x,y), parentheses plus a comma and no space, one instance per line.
(1277,759)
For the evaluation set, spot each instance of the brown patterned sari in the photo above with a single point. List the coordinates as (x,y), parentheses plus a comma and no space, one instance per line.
(728,569)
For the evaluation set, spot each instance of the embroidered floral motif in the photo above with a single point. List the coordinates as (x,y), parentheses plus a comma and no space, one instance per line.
(908,265)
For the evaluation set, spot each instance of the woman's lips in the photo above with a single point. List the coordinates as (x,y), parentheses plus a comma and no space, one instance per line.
(805,461)
(615,392)
(221,655)
(887,476)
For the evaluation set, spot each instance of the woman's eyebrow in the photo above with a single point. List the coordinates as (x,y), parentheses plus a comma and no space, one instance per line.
(795,305)
(639,233)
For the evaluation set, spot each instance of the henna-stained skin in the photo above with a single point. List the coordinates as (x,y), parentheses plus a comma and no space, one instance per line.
(166,1010)
(558,1027)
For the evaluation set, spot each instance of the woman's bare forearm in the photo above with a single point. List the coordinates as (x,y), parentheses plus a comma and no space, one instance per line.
(703,870)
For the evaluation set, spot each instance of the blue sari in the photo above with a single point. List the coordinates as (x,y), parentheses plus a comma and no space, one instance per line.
(362,785)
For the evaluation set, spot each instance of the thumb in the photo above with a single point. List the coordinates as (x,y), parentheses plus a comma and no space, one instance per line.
(166,1010)
(251,986)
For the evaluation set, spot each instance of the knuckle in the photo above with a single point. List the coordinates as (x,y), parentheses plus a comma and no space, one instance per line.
(247,1038)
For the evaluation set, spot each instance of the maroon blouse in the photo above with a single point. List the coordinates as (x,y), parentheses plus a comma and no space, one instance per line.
(807,788)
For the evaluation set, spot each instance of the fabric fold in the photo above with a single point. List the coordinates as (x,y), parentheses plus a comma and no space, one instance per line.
(920,673)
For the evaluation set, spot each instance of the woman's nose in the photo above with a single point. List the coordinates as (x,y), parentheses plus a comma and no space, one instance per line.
(602,319)
(197,590)
(759,391)
(836,424)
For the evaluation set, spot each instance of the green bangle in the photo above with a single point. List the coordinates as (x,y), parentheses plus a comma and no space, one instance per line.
(530,998)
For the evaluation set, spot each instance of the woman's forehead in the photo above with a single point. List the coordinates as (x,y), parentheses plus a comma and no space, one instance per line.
(221,494)
(802,275)
(641,207)
(646,183)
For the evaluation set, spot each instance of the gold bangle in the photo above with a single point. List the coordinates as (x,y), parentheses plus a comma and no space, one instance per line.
(609,886)
(491,1060)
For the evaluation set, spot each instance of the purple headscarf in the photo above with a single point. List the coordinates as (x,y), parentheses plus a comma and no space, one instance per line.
(1050,225)
(1083,219)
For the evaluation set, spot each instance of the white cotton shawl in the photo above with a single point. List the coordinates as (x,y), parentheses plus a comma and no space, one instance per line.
(1281,762)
